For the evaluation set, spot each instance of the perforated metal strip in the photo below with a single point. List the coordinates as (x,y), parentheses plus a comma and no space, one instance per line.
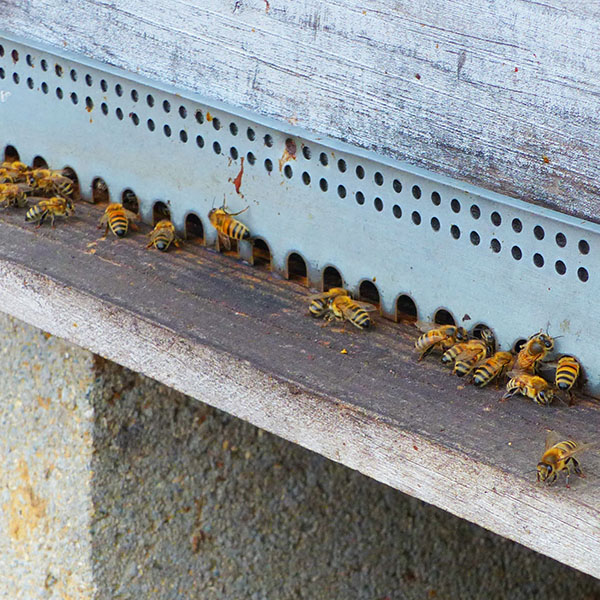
(412,236)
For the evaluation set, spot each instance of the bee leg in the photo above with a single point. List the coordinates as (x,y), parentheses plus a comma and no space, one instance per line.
(577,468)
(424,354)
(43,217)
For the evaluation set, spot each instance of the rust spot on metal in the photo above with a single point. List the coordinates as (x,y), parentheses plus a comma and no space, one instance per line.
(418,76)
(237,182)
(209,117)
(546,159)
(267,6)
(289,152)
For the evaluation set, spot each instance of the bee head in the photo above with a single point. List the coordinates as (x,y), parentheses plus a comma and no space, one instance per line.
(543,471)
(461,334)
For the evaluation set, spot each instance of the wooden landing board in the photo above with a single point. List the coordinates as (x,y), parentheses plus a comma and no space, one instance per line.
(241,339)
(500,94)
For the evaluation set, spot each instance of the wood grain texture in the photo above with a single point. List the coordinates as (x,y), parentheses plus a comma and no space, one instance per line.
(241,339)
(501,94)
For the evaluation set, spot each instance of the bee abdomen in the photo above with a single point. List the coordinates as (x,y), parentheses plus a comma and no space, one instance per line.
(567,372)
(236,230)
(34,213)
(118,225)
(317,308)
(361,318)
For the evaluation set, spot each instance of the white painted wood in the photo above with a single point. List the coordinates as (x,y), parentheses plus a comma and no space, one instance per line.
(554,522)
(483,92)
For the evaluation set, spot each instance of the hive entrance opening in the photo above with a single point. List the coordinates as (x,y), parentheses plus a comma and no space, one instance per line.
(100,192)
(11,154)
(194,231)
(296,269)
(39,162)
(130,201)
(476,332)
(443,317)
(160,211)
(368,292)
(261,255)
(518,345)
(406,309)
(332,278)
(70,173)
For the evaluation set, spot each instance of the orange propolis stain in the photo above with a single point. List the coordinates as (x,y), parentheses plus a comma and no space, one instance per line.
(237,182)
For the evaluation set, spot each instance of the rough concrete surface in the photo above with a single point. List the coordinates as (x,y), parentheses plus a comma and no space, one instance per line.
(179,500)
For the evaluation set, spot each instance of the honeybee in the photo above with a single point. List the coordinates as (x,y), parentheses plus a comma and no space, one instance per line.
(567,373)
(343,308)
(559,456)
(163,235)
(14,194)
(117,219)
(227,227)
(477,350)
(533,351)
(14,165)
(8,175)
(495,366)
(53,207)
(319,305)
(48,181)
(532,386)
(442,337)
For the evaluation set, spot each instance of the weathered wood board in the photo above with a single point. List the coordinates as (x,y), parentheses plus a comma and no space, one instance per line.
(501,94)
(241,339)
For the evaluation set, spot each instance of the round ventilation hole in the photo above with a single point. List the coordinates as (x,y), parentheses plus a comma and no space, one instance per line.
(306,178)
(582,274)
(496,218)
(475,239)
(495,245)
(516,252)
(560,267)
(416,191)
(416,218)
(397,211)
(561,240)
(435,224)
(455,232)
(538,260)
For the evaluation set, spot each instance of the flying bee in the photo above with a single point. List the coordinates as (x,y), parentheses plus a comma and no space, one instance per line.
(14,194)
(559,456)
(533,387)
(117,219)
(533,351)
(567,373)
(441,337)
(343,308)
(52,207)
(319,304)
(163,235)
(227,227)
(494,367)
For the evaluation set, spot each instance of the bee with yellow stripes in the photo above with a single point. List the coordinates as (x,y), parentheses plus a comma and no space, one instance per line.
(533,351)
(534,387)
(467,355)
(14,194)
(47,181)
(559,456)
(319,304)
(567,373)
(163,235)
(440,337)
(49,207)
(493,368)
(227,227)
(343,308)
(117,219)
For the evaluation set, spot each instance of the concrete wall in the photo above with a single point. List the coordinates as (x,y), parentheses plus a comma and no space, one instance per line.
(116,484)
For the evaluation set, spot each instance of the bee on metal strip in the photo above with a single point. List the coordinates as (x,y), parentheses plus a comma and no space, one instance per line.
(227,227)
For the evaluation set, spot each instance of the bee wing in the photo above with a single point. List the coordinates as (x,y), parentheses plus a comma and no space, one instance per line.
(321,296)
(425,326)
(553,437)
(224,241)
(130,214)
(366,306)
(580,448)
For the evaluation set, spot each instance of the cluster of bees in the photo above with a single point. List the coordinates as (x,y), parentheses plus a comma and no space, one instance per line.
(51,193)
(525,369)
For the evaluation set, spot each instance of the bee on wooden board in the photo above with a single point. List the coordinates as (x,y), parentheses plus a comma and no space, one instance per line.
(227,227)
(117,219)
(493,368)
(163,235)
(534,387)
(15,165)
(343,308)
(567,373)
(319,303)
(533,351)
(440,337)
(467,355)
(49,207)
(559,456)
(14,194)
